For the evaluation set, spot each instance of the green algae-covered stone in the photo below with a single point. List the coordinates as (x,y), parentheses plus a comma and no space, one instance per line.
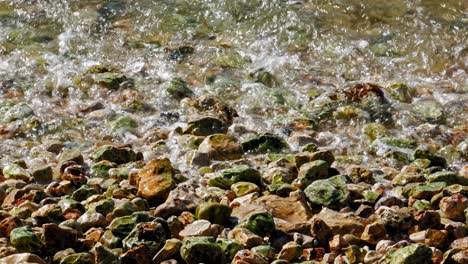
(264,143)
(111,80)
(83,193)
(69,203)
(242,173)
(25,240)
(178,89)
(205,250)
(123,209)
(79,258)
(108,239)
(124,123)
(331,192)
(312,171)
(217,180)
(399,92)
(122,226)
(423,190)
(216,213)
(16,172)
(71,155)
(429,110)
(152,235)
(115,155)
(266,251)
(205,126)
(230,247)
(260,223)
(18,112)
(448,177)
(101,168)
(103,206)
(243,188)
(415,253)
(436,160)
(105,256)
(281,189)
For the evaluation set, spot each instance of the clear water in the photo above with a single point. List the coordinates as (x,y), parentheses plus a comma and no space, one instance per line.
(313,48)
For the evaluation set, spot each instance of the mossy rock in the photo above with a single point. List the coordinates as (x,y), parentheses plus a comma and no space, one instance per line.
(216,213)
(79,258)
(25,240)
(260,223)
(230,247)
(122,226)
(205,126)
(312,171)
(264,143)
(415,253)
(115,155)
(178,89)
(195,250)
(331,192)
(101,168)
(151,234)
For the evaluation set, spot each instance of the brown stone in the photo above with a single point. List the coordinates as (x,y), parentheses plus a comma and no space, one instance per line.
(9,224)
(341,223)
(373,233)
(57,238)
(246,256)
(245,237)
(138,255)
(156,181)
(453,207)
(182,198)
(291,209)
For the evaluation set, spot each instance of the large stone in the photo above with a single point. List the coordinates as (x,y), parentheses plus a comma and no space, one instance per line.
(91,219)
(249,256)
(341,223)
(331,192)
(292,209)
(373,233)
(453,207)
(178,89)
(245,237)
(230,247)
(170,248)
(8,224)
(415,253)
(243,188)
(58,238)
(182,198)
(260,223)
(241,173)
(105,255)
(205,126)
(151,235)
(214,212)
(156,181)
(312,171)
(195,250)
(199,228)
(25,240)
(264,143)
(220,147)
(79,258)
(122,226)
(22,258)
(115,155)
(14,171)
(139,254)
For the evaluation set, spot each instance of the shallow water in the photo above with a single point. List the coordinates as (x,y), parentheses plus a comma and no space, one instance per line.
(314,50)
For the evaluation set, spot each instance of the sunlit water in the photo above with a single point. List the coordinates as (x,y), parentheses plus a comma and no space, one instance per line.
(312,48)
